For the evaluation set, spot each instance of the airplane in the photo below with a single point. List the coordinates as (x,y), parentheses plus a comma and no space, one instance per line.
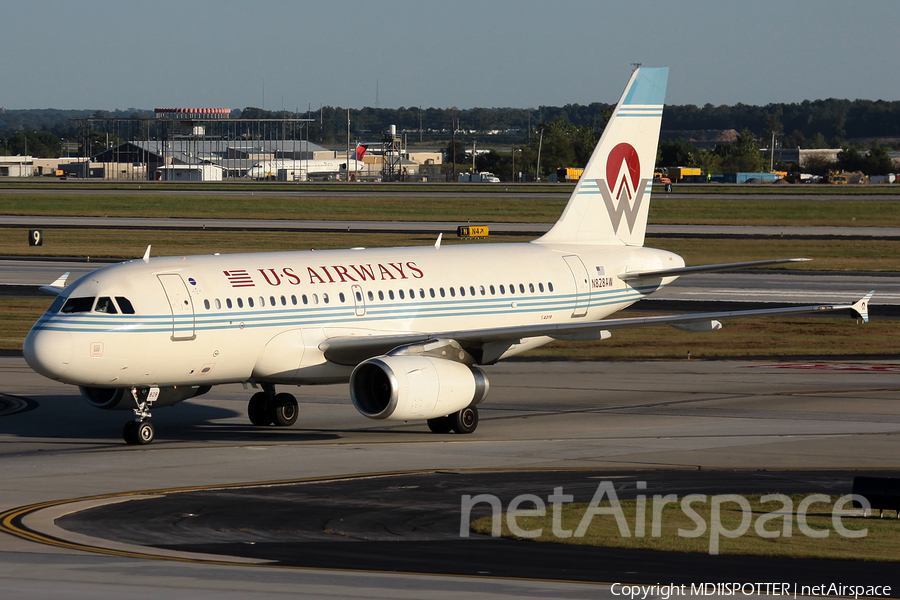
(408,328)
(303,168)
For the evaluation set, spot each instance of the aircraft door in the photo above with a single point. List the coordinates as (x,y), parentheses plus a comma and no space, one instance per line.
(181,305)
(582,285)
(359,301)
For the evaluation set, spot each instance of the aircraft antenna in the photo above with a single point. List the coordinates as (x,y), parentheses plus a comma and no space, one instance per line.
(437,244)
(147,254)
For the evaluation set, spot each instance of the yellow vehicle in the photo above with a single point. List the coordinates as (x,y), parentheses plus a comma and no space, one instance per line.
(837,178)
(568,174)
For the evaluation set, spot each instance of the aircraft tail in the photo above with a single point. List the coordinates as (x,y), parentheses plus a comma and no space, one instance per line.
(611,200)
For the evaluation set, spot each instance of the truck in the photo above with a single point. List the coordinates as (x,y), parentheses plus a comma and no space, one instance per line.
(677,174)
(483,177)
(568,174)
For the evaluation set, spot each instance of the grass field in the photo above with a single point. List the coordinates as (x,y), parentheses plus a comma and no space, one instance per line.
(466,207)
(880,543)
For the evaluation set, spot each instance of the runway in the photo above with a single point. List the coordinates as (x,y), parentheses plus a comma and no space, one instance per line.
(684,426)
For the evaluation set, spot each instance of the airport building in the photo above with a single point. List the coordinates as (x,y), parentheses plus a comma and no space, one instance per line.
(205,144)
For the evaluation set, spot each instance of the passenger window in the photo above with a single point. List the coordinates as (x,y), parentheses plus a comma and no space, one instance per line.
(391,294)
(431,292)
(315,298)
(462,291)
(76,305)
(262,301)
(57,304)
(294,300)
(422,292)
(442,293)
(492,290)
(250,302)
(325,298)
(283,301)
(472,290)
(521,288)
(218,304)
(531,287)
(502,289)
(271,301)
(240,302)
(402,296)
(305,299)
(206,304)
(371,296)
(453,292)
(541,286)
(358,297)
(341,297)
(481,289)
(228,302)
(380,295)
(550,286)
(512,288)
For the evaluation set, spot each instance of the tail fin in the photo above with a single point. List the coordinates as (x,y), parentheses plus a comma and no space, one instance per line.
(610,202)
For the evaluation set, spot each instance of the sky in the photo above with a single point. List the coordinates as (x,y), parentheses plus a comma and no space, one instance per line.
(451,53)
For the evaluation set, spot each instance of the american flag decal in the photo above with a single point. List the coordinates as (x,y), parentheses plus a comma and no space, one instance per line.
(601,271)
(239,278)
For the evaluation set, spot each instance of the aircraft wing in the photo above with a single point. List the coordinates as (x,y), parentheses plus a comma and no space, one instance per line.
(353,350)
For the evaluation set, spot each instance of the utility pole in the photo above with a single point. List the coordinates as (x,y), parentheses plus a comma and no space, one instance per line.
(453,141)
(537,174)
(348,144)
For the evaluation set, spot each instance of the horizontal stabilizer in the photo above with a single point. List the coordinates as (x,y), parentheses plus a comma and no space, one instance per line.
(706,269)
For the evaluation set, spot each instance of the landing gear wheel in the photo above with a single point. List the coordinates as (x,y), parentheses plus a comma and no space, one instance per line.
(441,424)
(129,433)
(136,433)
(283,410)
(465,421)
(145,432)
(257,410)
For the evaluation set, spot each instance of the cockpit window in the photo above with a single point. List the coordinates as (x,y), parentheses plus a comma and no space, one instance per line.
(105,305)
(76,305)
(57,304)
(125,305)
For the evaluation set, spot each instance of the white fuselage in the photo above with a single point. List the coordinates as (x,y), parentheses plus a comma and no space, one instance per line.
(205,320)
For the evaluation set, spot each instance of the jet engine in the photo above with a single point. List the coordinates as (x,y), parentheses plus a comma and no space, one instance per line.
(121,399)
(402,388)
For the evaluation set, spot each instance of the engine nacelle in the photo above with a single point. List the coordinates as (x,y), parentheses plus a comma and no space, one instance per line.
(403,388)
(120,398)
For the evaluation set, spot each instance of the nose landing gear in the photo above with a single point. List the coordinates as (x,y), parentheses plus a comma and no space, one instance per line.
(140,431)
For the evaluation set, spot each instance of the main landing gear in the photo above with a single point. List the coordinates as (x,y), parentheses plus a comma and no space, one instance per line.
(140,431)
(463,421)
(268,408)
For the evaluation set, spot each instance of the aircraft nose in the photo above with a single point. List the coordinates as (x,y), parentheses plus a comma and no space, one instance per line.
(48,352)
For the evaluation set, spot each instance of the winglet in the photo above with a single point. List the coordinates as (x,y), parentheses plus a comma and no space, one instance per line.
(57,286)
(146,258)
(437,244)
(860,309)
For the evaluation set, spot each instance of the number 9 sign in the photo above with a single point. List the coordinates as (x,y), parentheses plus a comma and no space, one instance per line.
(35,238)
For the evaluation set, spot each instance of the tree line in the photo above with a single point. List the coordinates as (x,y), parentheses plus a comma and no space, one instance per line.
(563,136)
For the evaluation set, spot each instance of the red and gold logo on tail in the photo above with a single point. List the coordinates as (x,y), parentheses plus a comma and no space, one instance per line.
(623,190)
